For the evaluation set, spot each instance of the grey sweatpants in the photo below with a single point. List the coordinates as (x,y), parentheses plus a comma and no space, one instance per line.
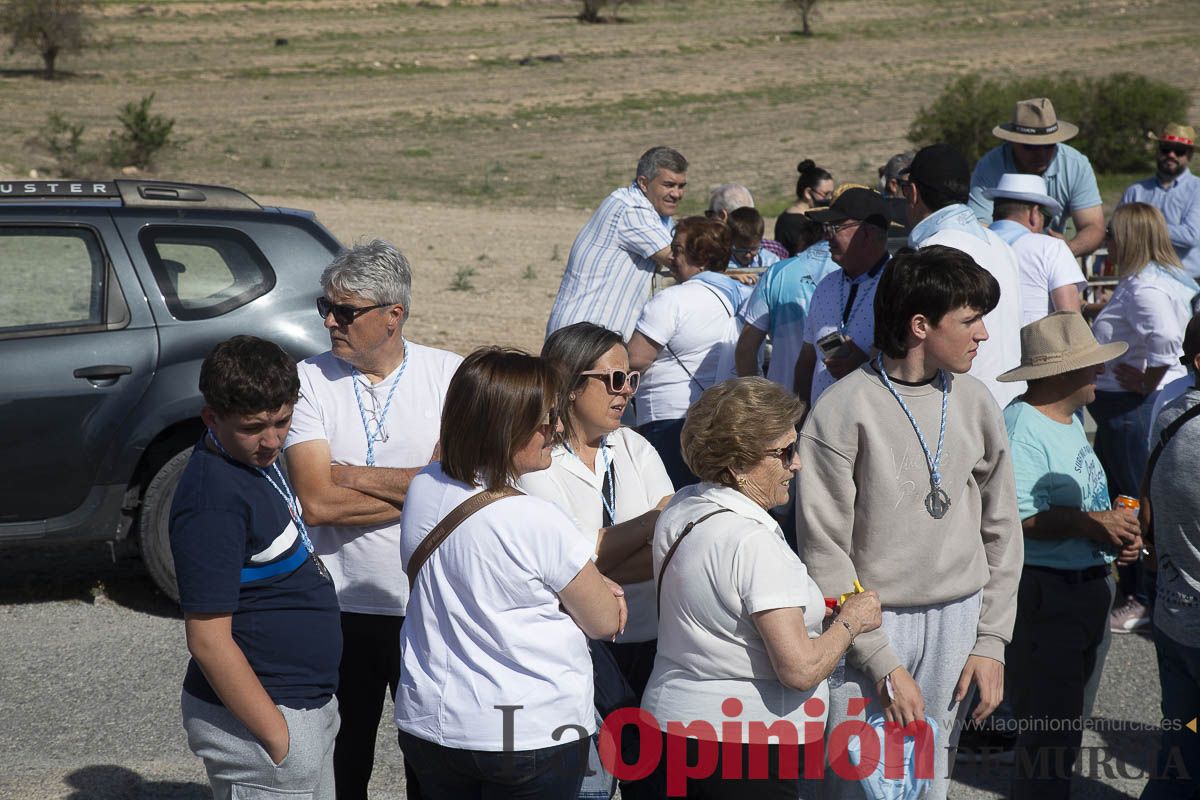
(933,643)
(240,769)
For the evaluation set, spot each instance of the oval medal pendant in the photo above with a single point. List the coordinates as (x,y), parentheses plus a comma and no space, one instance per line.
(937,502)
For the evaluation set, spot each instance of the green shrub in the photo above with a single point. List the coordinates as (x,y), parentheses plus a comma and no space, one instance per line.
(1113,114)
(64,140)
(142,135)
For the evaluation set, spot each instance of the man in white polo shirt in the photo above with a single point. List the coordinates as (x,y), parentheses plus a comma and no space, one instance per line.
(367,421)
(615,256)
(1050,277)
(935,189)
(840,329)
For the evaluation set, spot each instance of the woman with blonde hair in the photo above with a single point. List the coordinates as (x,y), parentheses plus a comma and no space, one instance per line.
(1149,310)
(740,619)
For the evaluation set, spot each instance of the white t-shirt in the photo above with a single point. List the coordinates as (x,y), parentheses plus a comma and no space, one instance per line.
(484,626)
(362,560)
(1149,310)
(730,567)
(640,481)
(1002,350)
(698,325)
(1045,264)
(825,316)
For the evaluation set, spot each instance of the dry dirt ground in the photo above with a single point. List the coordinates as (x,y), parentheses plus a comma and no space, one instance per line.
(417,121)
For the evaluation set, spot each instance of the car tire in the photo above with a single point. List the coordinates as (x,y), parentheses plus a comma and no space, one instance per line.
(154,520)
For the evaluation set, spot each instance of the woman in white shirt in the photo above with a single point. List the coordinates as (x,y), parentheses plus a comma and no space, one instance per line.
(740,622)
(495,694)
(685,338)
(1149,310)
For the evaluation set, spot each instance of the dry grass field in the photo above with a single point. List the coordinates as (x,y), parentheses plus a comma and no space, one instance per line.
(418,121)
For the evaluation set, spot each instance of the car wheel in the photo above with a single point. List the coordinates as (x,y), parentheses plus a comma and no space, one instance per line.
(154,523)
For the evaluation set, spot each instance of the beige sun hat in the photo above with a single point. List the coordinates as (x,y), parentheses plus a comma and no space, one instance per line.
(1058,343)
(1175,133)
(1034,122)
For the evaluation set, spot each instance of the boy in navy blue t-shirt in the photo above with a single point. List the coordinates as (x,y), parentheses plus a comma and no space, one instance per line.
(260,611)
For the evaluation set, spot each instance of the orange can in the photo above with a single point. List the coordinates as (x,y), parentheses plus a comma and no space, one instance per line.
(1125,501)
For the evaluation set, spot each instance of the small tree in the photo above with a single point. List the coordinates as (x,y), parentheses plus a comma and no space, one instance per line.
(807,9)
(141,136)
(51,27)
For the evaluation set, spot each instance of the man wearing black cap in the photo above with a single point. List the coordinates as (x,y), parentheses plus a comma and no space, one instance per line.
(935,188)
(841,319)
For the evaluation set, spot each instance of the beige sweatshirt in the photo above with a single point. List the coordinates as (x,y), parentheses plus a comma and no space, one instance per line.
(861,506)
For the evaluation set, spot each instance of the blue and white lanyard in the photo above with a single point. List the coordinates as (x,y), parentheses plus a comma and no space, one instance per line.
(934,461)
(376,435)
(610,502)
(285,491)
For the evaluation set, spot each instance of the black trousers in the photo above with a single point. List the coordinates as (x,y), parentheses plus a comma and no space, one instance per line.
(370,667)
(1059,628)
(739,786)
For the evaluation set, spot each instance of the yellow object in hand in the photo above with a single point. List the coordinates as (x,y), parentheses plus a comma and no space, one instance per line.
(858,589)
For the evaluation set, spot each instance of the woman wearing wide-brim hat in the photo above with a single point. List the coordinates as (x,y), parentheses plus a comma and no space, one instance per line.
(1034,143)
(1072,535)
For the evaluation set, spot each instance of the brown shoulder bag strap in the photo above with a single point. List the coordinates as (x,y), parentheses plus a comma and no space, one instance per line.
(675,546)
(451,521)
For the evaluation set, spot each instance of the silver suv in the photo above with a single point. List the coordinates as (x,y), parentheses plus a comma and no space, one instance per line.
(111,294)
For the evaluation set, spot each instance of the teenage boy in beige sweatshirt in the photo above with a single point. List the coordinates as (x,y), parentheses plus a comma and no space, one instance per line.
(908,487)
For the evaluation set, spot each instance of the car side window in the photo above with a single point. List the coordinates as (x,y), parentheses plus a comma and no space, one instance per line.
(204,272)
(55,280)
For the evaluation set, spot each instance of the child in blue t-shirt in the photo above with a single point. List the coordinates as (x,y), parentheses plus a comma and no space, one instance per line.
(260,612)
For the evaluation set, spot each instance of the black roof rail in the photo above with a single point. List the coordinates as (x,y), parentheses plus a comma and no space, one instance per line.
(165,194)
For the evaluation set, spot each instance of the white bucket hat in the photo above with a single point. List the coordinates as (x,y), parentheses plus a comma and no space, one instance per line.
(1026,188)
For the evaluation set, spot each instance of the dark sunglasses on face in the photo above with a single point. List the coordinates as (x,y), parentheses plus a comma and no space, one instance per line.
(343,315)
(617,379)
(784,454)
(1181,150)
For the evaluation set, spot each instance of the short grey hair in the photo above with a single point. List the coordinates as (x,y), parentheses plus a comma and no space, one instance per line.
(730,197)
(660,158)
(376,271)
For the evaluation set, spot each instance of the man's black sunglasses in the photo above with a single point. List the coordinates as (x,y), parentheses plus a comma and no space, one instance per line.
(1180,150)
(343,315)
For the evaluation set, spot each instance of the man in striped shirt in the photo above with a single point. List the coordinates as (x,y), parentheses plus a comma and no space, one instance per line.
(614,257)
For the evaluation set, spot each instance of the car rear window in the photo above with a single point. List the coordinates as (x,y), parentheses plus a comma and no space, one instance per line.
(50,279)
(204,272)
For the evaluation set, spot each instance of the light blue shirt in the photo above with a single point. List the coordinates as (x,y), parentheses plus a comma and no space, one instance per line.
(779,306)
(1069,180)
(609,270)
(762,259)
(1055,466)
(1179,202)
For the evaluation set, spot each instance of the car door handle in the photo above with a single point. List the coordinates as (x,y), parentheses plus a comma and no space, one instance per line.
(103,372)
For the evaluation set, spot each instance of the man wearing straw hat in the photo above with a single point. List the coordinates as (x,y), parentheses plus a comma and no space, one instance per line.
(1048,273)
(1034,145)
(1174,191)
(1071,538)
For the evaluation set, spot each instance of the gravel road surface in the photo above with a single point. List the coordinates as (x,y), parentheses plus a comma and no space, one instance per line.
(91,658)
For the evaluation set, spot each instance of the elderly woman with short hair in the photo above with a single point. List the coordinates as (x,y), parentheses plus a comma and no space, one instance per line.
(740,619)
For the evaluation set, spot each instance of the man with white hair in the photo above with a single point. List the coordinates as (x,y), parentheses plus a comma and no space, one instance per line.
(724,199)
(1049,275)
(366,422)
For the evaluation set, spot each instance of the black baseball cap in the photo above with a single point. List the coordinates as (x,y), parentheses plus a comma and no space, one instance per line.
(865,205)
(942,168)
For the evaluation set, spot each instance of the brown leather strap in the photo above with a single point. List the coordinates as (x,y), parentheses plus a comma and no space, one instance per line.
(451,521)
(671,553)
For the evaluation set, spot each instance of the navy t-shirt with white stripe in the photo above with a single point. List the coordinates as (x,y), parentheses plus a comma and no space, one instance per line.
(238,552)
